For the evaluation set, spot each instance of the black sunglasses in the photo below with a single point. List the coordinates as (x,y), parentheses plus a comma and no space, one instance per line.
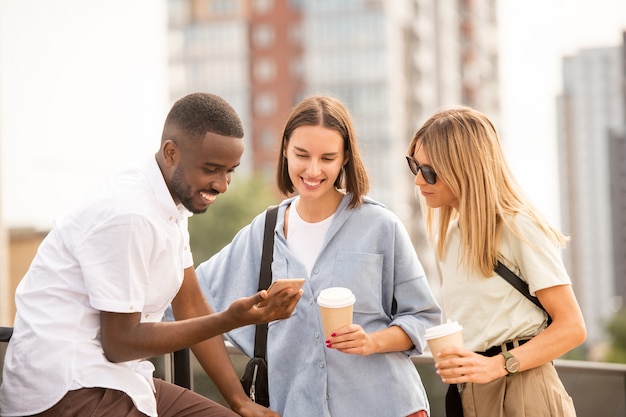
(427,172)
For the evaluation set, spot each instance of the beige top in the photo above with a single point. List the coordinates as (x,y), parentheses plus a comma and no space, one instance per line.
(490,310)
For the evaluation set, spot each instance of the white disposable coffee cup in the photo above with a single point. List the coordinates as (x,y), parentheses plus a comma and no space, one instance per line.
(445,335)
(336,304)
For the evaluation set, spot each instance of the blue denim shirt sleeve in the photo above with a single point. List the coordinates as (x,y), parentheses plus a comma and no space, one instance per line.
(416,308)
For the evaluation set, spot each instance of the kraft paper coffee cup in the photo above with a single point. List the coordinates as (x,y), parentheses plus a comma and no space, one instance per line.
(336,304)
(445,335)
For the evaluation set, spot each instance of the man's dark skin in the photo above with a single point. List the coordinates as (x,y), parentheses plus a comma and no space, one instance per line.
(196,171)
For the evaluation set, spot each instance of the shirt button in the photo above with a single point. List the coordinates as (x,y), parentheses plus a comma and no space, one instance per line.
(147,315)
(131,308)
(322,365)
(317,335)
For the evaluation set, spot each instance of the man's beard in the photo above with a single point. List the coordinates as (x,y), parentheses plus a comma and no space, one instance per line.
(182,191)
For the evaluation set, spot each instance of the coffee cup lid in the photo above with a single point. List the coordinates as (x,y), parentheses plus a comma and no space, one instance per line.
(445,329)
(336,297)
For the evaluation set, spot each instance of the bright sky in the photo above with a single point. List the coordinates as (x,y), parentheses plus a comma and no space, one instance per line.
(83,92)
(534,36)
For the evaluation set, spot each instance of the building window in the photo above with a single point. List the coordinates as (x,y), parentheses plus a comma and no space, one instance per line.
(221,7)
(178,12)
(265,104)
(264,70)
(263,6)
(263,36)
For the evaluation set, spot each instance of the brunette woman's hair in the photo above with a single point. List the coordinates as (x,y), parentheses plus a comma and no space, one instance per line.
(332,114)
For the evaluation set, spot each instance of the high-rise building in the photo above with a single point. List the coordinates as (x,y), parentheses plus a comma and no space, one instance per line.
(208,46)
(248,52)
(591,125)
(617,150)
(617,167)
(393,63)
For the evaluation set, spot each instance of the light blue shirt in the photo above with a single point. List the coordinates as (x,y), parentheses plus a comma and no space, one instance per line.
(366,249)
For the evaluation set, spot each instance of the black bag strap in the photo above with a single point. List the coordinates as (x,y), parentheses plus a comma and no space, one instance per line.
(265,276)
(519,285)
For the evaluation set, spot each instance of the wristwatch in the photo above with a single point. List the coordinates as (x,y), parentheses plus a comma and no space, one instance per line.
(511,364)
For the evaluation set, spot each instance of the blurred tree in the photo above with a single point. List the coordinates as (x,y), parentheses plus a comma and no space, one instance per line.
(211,231)
(617,330)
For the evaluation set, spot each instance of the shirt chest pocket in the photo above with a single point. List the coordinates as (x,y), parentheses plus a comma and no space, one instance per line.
(165,278)
(362,273)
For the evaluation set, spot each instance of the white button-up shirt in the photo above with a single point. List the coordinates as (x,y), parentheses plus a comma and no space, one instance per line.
(122,251)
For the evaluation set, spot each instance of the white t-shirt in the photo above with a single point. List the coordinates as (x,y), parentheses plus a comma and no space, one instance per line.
(305,239)
(490,310)
(123,251)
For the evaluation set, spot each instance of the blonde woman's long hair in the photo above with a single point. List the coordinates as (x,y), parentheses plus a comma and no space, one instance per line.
(465,152)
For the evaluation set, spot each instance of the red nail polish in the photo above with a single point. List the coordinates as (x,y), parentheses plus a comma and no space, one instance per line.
(333,335)
(327,341)
(328,345)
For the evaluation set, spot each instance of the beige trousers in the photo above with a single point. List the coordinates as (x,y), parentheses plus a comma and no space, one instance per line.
(537,392)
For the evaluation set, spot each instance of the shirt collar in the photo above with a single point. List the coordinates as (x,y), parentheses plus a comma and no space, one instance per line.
(162,193)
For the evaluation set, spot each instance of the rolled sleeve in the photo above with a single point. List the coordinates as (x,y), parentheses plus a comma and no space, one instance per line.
(417,310)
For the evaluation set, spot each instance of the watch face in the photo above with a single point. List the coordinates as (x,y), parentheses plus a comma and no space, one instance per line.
(512,365)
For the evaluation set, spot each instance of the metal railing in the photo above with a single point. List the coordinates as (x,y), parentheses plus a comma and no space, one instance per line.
(598,388)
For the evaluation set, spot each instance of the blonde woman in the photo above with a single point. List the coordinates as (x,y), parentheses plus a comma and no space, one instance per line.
(477,215)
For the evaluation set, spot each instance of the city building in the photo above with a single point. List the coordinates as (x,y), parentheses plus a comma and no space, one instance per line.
(591,126)
(393,63)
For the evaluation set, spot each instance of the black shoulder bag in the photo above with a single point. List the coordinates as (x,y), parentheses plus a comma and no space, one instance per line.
(519,285)
(254,379)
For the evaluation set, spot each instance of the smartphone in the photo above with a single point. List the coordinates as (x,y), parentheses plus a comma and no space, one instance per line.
(279,284)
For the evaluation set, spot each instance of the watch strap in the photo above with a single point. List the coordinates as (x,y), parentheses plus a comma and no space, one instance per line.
(507,357)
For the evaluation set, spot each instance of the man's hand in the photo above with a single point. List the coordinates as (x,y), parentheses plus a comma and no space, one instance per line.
(263,307)
(252,409)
